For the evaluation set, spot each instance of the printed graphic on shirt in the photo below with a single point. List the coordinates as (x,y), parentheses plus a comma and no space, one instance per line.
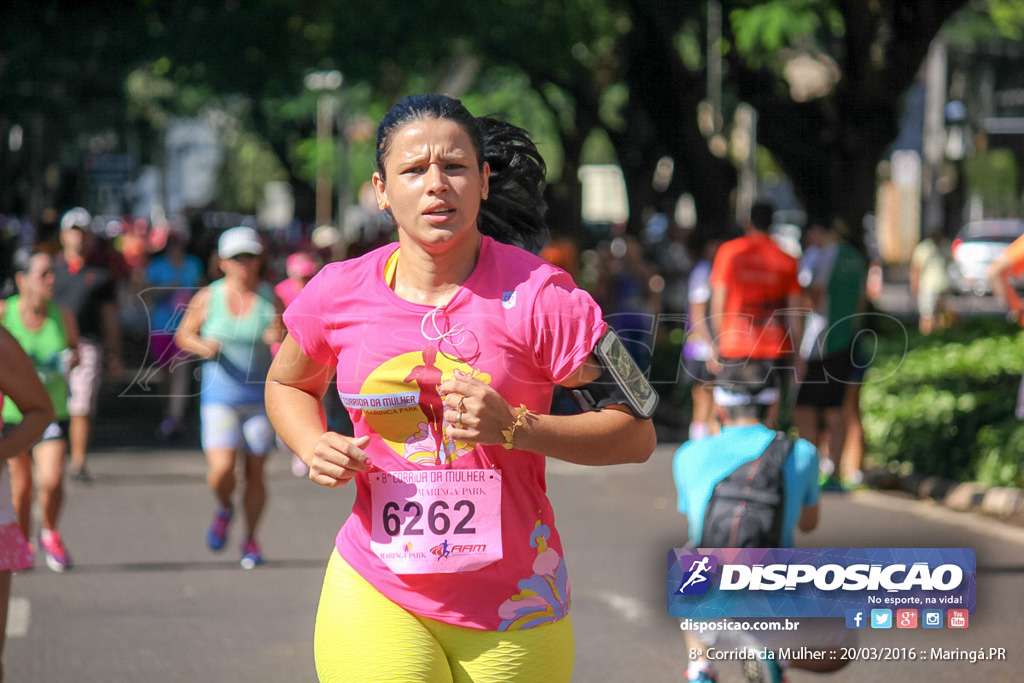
(400,402)
(544,596)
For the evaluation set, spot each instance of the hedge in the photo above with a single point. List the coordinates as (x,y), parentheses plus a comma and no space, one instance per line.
(944,405)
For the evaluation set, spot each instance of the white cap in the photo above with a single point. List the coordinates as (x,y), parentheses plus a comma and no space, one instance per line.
(240,240)
(76,218)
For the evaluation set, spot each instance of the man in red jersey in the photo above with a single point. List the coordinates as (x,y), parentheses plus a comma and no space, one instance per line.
(755,294)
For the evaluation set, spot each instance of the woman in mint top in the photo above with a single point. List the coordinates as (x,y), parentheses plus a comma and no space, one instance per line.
(48,334)
(231,324)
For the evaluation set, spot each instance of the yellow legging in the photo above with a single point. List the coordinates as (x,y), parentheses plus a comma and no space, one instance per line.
(362,637)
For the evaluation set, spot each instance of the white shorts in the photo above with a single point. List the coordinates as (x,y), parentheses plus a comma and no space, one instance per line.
(225,426)
(84,379)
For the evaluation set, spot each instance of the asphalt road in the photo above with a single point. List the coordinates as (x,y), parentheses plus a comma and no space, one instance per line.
(148,602)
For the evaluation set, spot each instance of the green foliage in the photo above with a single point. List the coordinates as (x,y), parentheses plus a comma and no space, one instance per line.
(988,20)
(945,407)
(249,164)
(1008,17)
(994,176)
(763,29)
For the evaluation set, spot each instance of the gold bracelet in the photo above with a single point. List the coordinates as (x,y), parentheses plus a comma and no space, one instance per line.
(510,434)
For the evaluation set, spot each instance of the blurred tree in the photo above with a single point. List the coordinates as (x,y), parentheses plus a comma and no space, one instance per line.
(630,73)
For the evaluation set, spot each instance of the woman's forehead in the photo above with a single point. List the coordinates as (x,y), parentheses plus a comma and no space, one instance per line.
(40,260)
(430,136)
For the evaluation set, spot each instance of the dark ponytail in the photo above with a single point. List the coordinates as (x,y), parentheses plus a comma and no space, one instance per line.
(513,212)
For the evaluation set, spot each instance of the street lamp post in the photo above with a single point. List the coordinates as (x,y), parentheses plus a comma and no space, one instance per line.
(325,83)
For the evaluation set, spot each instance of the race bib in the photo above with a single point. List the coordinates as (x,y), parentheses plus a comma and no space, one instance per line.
(436,521)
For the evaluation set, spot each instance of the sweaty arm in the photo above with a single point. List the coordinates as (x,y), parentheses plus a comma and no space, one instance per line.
(295,388)
(809,516)
(1000,280)
(187,336)
(610,436)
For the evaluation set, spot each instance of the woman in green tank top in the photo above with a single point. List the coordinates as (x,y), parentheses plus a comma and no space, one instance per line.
(49,335)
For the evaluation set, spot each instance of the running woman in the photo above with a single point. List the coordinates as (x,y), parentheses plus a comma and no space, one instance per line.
(450,567)
(48,334)
(231,324)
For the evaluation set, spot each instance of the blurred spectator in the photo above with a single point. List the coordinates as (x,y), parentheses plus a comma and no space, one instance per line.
(172,277)
(834,276)
(929,281)
(1002,272)
(299,267)
(697,349)
(87,287)
(625,293)
(563,253)
(675,258)
(754,298)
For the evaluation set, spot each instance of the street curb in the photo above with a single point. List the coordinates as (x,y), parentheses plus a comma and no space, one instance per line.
(1002,502)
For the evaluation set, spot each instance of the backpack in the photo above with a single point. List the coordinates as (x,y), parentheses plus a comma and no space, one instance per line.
(746,507)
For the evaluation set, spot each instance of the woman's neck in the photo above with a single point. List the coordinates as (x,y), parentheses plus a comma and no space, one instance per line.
(33,305)
(433,278)
(241,284)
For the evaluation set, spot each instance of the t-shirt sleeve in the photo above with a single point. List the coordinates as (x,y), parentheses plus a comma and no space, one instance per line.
(565,325)
(807,464)
(720,267)
(304,320)
(1015,255)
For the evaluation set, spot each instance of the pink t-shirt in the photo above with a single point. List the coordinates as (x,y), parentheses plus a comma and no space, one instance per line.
(518,324)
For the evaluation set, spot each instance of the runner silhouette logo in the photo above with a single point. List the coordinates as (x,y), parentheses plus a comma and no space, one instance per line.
(696,581)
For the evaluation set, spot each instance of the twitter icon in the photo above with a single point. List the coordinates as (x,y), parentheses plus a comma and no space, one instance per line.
(881,618)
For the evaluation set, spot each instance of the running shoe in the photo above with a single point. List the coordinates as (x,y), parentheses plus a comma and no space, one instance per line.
(251,555)
(170,428)
(57,557)
(832,483)
(81,475)
(217,534)
(759,670)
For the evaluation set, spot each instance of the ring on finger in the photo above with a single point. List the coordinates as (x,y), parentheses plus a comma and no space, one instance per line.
(461,407)
(458,420)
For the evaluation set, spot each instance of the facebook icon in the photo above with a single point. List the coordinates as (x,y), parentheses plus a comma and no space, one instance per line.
(855,618)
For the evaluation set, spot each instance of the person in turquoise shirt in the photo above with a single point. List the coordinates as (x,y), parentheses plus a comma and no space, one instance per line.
(231,324)
(743,400)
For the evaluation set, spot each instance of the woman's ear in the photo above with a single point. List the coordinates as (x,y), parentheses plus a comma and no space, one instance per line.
(381,191)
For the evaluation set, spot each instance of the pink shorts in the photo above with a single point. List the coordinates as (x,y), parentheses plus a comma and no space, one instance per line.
(15,552)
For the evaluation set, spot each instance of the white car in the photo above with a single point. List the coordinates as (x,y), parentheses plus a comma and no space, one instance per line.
(976,245)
